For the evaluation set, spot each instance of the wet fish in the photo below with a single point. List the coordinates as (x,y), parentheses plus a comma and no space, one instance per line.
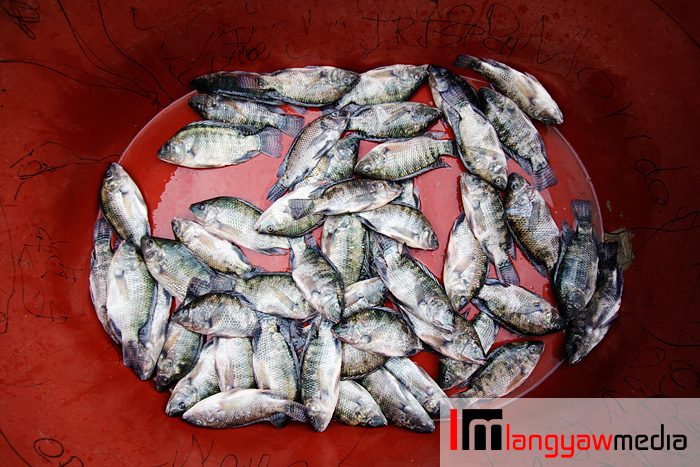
(393,83)
(592,323)
(245,112)
(343,243)
(398,160)
(485,213)
(311,86)
(152,335)
(240,407)
(200,383)
(531,223)
(273,361)
(412,284)
(320,376)
(402,223)
(274,293)
(519,135)
(518,310)
(206,144)
(453,373)
(336,165)
(123,205)
(466,265)
(379,330)
(173,265)
(306,151)
(394,120)
(278,219)
(180,351)
(357,363)
(130,295)
(449,89)
(318,280)
(356,407)
(523,88)
(236,84)
(234,219)
(577,267)
(505,370)
(99,264)
(363,294)
(233,358)
(217,315)
(418,382)
(397,403)
(216,252)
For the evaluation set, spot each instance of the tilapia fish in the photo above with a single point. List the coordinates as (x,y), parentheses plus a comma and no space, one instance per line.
(152,335)
(320,376)
(418,382)
(379,330)
(523,88)
(343,243)
(352,195)
(234,219)
(363,294)
(173,265)
(394,120)
(311,86)
(200,383)
(234,363)
(123,205)
(449,89)
(519,135)
(274,293)
(505,370)
(518,310)
(577,268)
(99,264)
(402,223)
(245,112)
(466,265)
(217,315)
(336,165)
(306,151)
(412,284)
(398,160)
(130,296)
(318,280)
(531,223)
(240,407)
(486,216)
(453,373)
(207,144)
(180,351)
(397,403)
(393,83)
(356,407)
(592,323)
(216,252)
(273,360)
(358,363)
(237,84)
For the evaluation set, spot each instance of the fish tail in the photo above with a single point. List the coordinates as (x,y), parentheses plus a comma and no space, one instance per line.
(279,420)
(506,272)
(467,61)
(296,411)
(544,178)
(583,211)
(608,252)
(270,142)
(276,191)
(291,125)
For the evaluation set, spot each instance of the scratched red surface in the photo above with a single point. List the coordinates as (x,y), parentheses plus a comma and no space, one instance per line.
(79,80)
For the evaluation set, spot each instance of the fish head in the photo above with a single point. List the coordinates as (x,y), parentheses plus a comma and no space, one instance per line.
(456,296)
(183,229)
(204,212)
(372,161)
(272,221)
(385,189)
(152,251)
(115,176)
(181,315)
(554,320)
(145,364)
(344,79)
(533,351)
(410,76)
(127,256)
(335,121)
(518,191)
(368,416)
(499,175)
(174,151)
(450,372)
(181,400)
(471,185)
(495,101)
(439,312)
(424,114)
(346,149)
(469,348)
(576,344)
(165,370)
(348,331)
(200,103)
(428,238)
(317,414)
(438,78)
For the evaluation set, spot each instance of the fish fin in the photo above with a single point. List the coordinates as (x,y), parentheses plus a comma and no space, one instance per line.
(300,109)
(435,134)
(437,164)
(297,412)
(300,207)
(328,109)
(273,251)
(196,288)
(130,353)
(278,420)
(538,265)
(507,274)
(283,166)
(291,125)
(544,178)
(285,329)
(522,162)
(396,114)
(270,142)
(423,267)
(276,191)
(481,306)
(567,233)
(467,61)
(583,211)
(608,252)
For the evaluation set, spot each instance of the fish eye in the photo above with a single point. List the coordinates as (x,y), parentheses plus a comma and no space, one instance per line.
(532,349)
(149,242)
(516,185)
(201,206)
(347,80)
(166,147)
(270,229)
(182,405)
(344,325)
(198,422)
(176,228)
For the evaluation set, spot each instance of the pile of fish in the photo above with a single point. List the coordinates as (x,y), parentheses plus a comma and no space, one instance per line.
(332,339)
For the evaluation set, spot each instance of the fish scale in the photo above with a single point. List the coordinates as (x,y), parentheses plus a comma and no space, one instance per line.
(200,383)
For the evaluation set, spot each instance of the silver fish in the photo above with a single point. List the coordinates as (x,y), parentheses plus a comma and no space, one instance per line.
(363,294)
(397,403)
(336,165)
(152,335)
(486,216)
(245,112)
(592,323)
(393,83)
(320,376)
(217,315)
(234,363)
(200,383)
(402,223)
(123,205)
(343,243)
(180,351)
(356,407)
(318,280)
(393,120)
(380,331)
(519,135)
(240,407)
(531,223)
(274,293)
(577,268)
(523,88)
(418,382)
(278,219)
(216,252)
(311,86)
(234,219)
(236,84)
(273,361)
(99,264)
(357,363)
